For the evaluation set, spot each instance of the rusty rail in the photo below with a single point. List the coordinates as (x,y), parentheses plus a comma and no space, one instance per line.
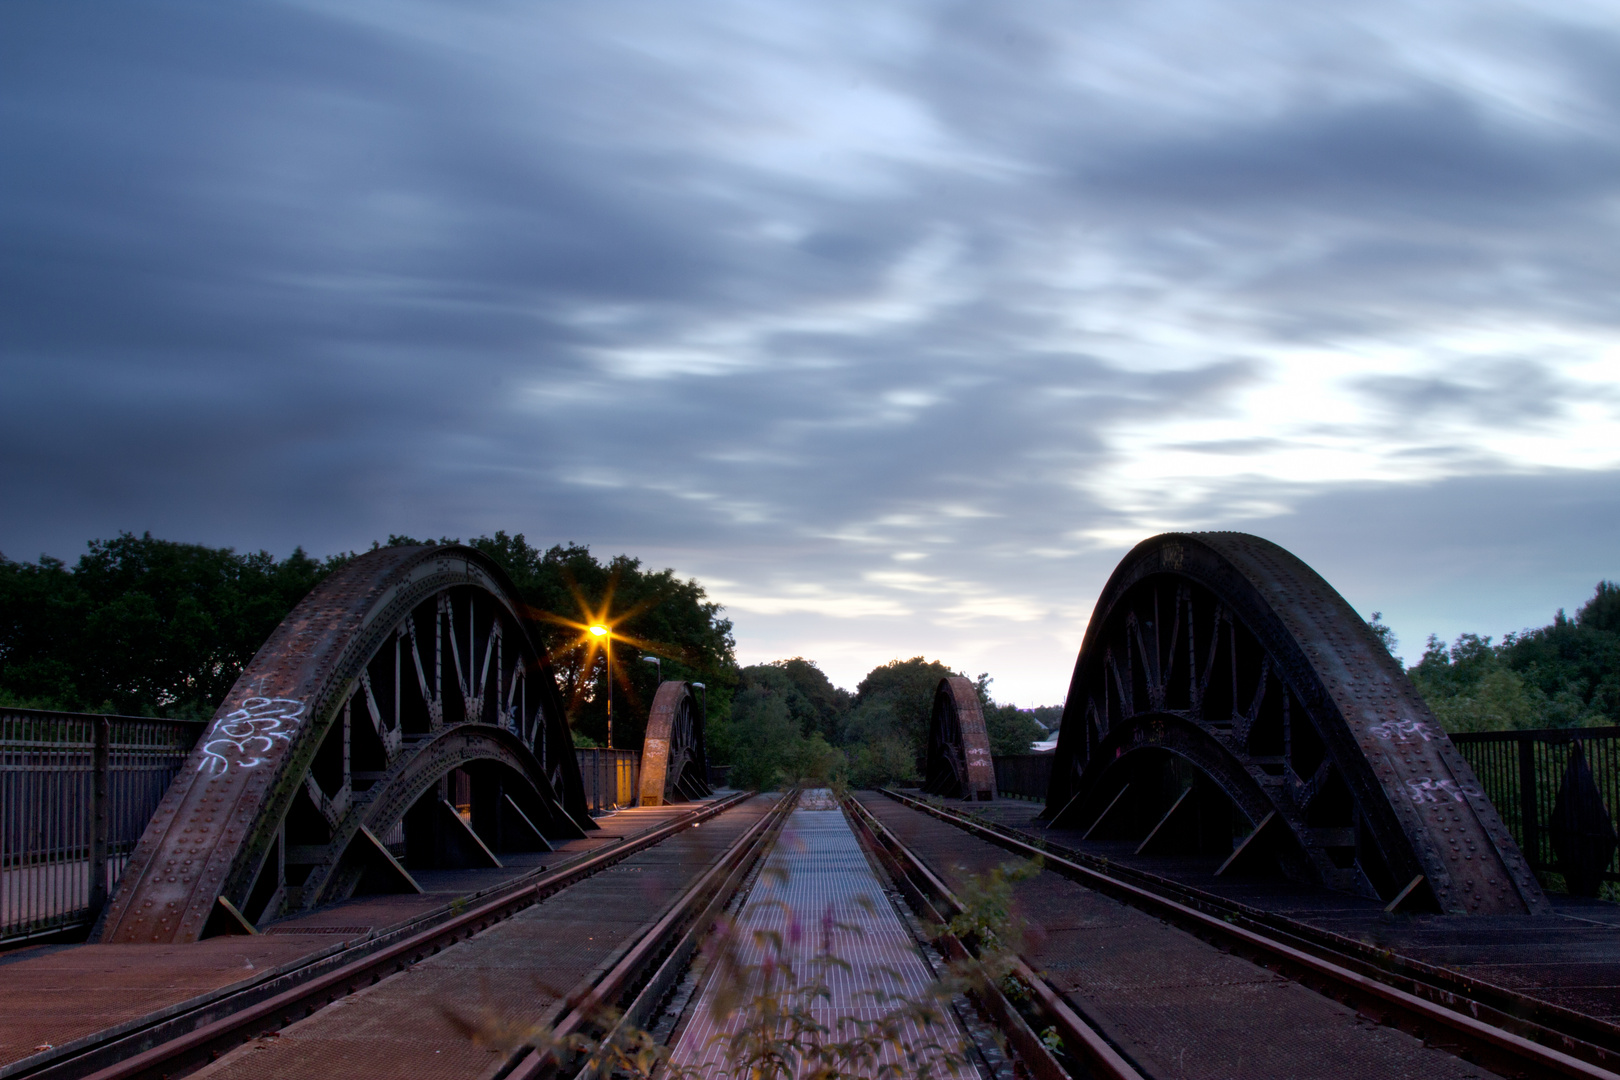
(657,960)
(1494,1035)
(176,1045)
(935,903)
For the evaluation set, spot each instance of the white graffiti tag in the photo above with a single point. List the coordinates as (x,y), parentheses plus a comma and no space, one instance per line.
(1402,731)
(1428,789)
(251,730)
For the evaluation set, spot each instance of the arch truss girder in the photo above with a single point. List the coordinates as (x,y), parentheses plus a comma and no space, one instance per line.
(406,673)
(958,764)
(1299,711)
(674,756)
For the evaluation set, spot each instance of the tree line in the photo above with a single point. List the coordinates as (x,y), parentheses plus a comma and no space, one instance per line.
(150,627)
(1562,675)
(788,719)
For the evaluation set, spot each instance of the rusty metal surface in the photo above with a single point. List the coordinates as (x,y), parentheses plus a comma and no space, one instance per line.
(94,1004)
(53,998)
(958,764)
(498,983)
(1177,1006)
(1554,981)
(220,821)
(674,757)
(1203,647)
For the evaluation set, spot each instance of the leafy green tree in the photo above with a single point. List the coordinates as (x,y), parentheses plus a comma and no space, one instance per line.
(1050,716)
(1385,634)
(772,734)
(823,705)
(141,625)
(896,700)
(1566,674)
(1011,729)
(652,613)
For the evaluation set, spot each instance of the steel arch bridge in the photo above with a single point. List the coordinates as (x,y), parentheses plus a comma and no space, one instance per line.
(1227,700)
(403,715)
(674,756)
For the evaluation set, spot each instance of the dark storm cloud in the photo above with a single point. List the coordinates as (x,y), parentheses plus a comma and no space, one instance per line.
(787,295)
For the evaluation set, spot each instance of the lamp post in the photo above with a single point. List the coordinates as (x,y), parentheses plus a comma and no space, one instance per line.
(603,632)
(658,661)
(705,689)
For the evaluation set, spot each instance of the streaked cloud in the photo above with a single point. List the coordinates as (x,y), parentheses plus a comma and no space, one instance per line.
(897,325)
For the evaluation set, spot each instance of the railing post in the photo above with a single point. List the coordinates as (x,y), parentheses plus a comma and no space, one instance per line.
(1527,800)
(100,811)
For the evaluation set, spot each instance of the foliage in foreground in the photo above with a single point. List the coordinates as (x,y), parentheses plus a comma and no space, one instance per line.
(771,1013)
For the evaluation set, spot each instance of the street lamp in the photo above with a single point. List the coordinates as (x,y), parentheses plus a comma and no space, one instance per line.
(598,630)
(705,689)
(659,662)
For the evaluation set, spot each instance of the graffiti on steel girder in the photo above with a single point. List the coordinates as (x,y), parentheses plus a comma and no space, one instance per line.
(247,735)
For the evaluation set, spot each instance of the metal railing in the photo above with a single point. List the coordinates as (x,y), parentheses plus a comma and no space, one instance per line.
(1561,814)
(1023,776)
(76,792)
(612,778)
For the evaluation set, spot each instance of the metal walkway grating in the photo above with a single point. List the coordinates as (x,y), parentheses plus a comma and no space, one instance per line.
(830,899)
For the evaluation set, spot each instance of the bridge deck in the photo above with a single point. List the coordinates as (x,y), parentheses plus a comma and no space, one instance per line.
(61,996)
(819,893)
(452,1014)
(1177,1005)
(1571,960)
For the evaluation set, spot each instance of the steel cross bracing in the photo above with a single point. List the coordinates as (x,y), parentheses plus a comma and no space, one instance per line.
(402,716)
(1225,697)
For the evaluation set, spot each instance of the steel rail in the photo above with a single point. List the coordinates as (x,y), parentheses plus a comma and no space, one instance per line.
(936,903)
(1587,1037)
(1483,1031)
(178,1044)
(657,959)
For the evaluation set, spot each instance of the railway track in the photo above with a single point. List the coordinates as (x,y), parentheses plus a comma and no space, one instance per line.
(174,1043)
(1495,1027)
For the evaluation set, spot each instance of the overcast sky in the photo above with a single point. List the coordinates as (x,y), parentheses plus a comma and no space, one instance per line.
(895,325)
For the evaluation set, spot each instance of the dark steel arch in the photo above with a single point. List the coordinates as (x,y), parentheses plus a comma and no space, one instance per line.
(958,765)
(406,680)
(674,757)
(1228,653)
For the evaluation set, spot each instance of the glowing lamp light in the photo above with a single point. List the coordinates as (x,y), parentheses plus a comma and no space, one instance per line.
(599,631)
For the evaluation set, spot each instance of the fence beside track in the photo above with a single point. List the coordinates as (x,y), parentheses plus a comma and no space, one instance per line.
(78,789)
(612,778)
(1023,776)
(76,792)
(1526,774)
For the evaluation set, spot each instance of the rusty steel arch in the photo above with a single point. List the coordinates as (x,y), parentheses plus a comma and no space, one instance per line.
(1221,663)
(402,713)
(958,764)
(674,755)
